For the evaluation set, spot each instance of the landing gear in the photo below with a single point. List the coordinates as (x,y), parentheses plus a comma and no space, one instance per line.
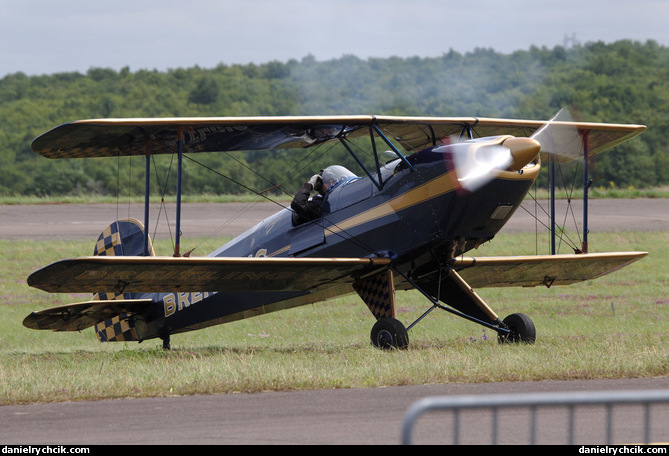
(448,286)
(521,329)
(389,333)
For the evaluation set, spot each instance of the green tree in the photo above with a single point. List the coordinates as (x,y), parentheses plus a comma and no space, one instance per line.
(621,82)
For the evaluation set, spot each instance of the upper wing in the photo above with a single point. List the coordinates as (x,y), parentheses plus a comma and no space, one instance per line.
(548,270)
(167,274)
(139,136)
(415,133)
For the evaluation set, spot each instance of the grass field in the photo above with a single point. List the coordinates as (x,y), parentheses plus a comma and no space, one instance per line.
(614,327)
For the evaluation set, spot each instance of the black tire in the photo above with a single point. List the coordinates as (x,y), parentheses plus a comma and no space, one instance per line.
(389,333)
(522,330)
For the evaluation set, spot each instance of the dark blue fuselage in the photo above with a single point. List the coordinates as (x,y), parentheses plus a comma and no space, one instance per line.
(416,209)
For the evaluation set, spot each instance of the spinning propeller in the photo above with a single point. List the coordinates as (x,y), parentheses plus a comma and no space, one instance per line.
(479,161)
(560,138)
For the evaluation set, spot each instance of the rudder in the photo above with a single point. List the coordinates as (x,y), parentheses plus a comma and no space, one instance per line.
(123,238)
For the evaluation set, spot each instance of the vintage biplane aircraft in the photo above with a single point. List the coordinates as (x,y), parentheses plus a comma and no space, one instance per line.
(449,186)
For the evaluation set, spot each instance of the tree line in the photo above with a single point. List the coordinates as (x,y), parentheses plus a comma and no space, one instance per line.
(620,82)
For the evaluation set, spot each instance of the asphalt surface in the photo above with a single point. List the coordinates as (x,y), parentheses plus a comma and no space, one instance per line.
(371,416)
(86,221)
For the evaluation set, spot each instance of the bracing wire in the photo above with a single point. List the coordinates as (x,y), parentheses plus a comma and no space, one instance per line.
(561,233)
(163,190)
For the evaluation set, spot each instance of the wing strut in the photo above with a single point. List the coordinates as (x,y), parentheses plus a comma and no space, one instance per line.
(586,186)
(374,128)
(392,146)
(551,179)
(378,183)
(180,141)
(147,187)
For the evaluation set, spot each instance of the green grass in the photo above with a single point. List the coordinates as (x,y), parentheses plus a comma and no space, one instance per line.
(613,327)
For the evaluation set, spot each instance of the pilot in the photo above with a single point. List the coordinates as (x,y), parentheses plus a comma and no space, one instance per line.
(305,208)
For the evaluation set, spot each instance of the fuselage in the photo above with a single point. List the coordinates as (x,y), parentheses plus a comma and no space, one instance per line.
(415,210)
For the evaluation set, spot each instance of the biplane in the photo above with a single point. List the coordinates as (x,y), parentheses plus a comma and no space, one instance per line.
(443,187)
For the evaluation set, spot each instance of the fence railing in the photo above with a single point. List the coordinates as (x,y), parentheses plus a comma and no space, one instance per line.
(572,401)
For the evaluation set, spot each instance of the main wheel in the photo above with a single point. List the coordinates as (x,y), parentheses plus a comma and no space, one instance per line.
(389,333)
(521,329)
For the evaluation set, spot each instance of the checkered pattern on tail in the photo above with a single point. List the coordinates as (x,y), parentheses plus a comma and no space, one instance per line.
(109,244)
(378,292)
(120,328)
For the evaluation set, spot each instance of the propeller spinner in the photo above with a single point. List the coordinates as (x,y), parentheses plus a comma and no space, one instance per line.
(481,160)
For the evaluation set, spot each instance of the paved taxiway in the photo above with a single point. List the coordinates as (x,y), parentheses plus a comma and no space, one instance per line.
(86,221)
(371,416)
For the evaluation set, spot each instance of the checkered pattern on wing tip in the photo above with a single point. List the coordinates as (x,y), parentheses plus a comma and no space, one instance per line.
(109,242)
(378,293)
(120,328)
(80,152)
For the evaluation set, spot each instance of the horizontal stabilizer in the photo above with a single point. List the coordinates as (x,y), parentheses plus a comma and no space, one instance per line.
(78,316)
(170,274)
(547,270)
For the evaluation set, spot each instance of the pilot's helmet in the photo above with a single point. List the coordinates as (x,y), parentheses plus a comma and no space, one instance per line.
(333,174)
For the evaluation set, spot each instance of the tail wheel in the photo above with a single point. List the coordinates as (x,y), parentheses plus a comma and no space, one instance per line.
(389,333)
(521,329)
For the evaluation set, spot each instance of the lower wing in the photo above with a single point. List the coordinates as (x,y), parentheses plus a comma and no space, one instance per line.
(168,274)
(547,270)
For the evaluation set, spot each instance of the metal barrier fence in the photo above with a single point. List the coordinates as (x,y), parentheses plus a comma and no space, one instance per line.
(533,401)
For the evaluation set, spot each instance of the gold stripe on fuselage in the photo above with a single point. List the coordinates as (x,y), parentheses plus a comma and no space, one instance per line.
(438,186)
(432,189)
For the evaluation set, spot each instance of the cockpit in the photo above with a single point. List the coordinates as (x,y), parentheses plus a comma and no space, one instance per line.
(335,175)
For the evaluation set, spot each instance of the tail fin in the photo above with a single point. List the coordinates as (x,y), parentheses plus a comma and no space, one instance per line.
(121,238)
